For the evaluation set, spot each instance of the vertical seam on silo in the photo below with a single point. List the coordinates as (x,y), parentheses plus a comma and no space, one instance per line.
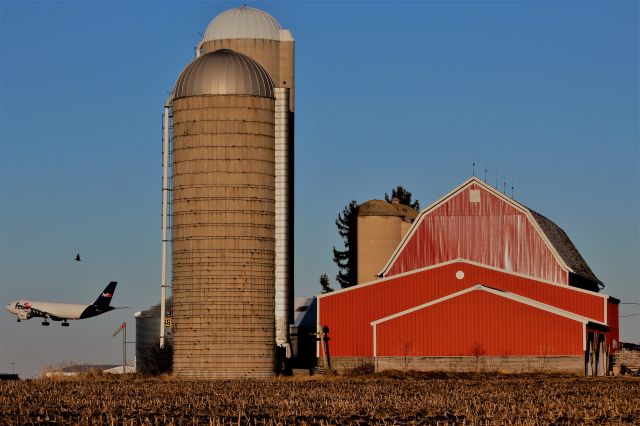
(230,75)
(193,76)
(242,72)
(182,79)
(264,25)
(207,75)
(268,81)
(244,28)
(187,79)
(250,69)
(255,82)
(223,81)
(251,72)
(200,70)
(264,86)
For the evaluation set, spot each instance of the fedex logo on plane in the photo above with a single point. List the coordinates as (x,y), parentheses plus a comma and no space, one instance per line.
(107,295)
(23,305)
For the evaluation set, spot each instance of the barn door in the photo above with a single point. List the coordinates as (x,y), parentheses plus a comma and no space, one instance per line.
(589,355)
(601,357)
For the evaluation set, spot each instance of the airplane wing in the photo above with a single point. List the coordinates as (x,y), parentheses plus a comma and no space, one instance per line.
(33,312)
(43,314)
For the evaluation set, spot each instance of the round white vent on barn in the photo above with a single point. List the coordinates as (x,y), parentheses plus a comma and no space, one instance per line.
(460,275)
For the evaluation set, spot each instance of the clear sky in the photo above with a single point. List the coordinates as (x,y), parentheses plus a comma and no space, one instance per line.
(545,94)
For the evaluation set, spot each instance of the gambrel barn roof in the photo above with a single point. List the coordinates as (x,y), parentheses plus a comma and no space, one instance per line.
(553,242)
(565,247)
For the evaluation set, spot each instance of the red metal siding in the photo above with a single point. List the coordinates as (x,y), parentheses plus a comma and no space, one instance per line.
(491,232)
(479,323)
(348,314)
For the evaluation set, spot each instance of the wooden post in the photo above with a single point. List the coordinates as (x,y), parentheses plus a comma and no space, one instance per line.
(124,348)
(325,341)
(320,335)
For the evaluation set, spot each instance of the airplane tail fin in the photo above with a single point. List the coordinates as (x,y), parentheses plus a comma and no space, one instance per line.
(105,297)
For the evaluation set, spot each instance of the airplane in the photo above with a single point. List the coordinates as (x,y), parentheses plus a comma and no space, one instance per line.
(25,309)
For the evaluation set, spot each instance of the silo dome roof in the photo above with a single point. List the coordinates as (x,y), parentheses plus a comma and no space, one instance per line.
(224,72)
(383,208)
(243,22)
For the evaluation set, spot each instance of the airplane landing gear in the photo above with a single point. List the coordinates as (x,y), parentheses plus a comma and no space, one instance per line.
(45,323)
(65,324)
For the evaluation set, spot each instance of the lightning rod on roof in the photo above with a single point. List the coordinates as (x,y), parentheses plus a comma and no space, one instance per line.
(473,170)
(485,172)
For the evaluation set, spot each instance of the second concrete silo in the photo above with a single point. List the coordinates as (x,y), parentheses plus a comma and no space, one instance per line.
(223,229)
(257,34)
(380,228)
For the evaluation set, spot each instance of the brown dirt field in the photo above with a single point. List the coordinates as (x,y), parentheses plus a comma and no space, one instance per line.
(392,398)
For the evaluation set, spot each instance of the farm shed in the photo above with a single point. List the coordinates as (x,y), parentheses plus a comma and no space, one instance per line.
(478,276)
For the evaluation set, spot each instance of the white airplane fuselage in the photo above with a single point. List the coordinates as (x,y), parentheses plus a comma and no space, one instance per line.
(25,309)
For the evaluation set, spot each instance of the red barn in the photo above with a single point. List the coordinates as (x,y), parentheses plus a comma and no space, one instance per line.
(479,281)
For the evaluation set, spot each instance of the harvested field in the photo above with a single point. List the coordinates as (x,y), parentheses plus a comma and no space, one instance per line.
(381,399)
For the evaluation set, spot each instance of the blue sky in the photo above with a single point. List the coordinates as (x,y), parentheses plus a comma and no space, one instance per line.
(545,94)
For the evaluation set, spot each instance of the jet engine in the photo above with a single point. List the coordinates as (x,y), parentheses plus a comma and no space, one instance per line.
(24,315)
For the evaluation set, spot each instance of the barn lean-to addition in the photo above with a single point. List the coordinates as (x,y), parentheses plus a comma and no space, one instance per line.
(478,277)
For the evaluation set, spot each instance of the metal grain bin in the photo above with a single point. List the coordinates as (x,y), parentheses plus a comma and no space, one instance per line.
(223,229)
(147,331)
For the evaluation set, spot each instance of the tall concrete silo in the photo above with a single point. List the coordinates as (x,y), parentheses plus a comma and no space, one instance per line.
(258,35)
(223,222)
(232,185)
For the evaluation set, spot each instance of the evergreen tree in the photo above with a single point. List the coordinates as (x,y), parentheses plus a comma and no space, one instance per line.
(346,259)
(324,283)
(404,196)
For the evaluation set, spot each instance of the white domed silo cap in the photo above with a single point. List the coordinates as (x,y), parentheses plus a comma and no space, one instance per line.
(243,22)
(224,72)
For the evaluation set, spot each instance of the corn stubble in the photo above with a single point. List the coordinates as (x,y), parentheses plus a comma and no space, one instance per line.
(385,400)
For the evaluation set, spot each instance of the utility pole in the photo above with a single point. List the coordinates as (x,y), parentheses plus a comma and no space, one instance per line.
(123,328)
(13,367)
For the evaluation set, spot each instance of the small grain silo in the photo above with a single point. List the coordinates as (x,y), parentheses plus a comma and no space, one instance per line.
(380,228)
(223,220)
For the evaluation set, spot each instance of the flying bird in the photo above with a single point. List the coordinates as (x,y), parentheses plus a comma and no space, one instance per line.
(77,257)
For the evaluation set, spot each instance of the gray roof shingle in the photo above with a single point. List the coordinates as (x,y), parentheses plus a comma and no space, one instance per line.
(565,248)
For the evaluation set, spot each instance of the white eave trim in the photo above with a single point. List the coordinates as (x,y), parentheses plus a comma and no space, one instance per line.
(505,294)
(462,186)
(318,328)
